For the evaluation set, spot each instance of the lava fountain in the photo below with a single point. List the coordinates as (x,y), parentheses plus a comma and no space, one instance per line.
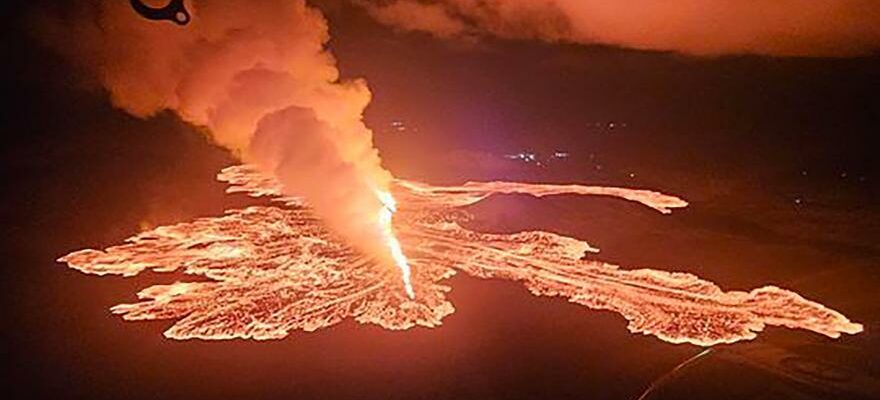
(385,217)
(275,269)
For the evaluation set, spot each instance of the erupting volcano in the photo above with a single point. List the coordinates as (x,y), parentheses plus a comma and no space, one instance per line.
(274,269)
(345,239)
(442,199)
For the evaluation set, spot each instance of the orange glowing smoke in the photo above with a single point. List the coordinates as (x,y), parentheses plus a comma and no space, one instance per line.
(696,27)
(275,269)
(259,80)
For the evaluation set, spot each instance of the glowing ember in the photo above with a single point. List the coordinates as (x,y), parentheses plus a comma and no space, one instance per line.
(272,270)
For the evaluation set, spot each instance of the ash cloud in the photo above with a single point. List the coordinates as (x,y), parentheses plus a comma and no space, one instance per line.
(697,27)
(257,77)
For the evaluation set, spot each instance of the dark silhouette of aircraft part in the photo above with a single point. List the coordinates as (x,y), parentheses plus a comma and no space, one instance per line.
(174,11)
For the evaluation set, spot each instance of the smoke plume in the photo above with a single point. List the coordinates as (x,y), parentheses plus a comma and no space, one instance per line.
(257,77)
(697,27)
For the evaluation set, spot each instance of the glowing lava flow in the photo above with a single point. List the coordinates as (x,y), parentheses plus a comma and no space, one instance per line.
(386,215)
(274,269)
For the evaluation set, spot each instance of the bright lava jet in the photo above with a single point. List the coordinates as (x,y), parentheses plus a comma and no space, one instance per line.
(274,269)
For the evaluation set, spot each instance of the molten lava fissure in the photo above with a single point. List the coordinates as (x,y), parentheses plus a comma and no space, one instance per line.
(385,218)
(274,269)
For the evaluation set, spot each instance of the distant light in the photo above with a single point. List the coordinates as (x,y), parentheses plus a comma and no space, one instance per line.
(560,154)
(632,175)
(523,156)
(398,125)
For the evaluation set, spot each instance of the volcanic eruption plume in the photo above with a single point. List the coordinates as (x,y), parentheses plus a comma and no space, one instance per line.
(257,77)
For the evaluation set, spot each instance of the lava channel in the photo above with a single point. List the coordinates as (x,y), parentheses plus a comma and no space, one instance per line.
(275,269)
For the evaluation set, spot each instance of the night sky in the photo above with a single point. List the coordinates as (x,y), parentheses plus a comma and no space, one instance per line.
(777,156)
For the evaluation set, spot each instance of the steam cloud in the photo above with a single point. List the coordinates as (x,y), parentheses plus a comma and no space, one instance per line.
(698,27)
(256,75)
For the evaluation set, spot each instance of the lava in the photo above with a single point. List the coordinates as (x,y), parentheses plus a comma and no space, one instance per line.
(385,218)
(275,269)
